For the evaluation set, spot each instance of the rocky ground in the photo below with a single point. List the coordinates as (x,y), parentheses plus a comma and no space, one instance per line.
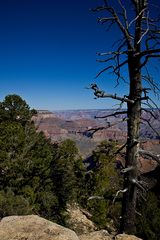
(33,227)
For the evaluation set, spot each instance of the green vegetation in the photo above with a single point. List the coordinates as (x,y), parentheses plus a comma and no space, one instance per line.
(104,181)
(148,224)
(39,177)
(36,176)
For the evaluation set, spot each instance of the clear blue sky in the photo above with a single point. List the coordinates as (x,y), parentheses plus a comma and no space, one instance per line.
(48,53)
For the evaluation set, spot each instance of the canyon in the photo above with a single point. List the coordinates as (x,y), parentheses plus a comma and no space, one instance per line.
(82,125)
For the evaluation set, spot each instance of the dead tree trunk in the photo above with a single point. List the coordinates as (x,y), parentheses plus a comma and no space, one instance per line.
(133,124)
(133,128)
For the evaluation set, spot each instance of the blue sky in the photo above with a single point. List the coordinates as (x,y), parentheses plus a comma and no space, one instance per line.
(48,53)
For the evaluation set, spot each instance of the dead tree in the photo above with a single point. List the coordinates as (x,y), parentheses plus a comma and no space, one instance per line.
(140,43)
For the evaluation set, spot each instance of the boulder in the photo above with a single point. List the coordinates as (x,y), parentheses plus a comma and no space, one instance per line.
(97,235)
(33,227)
(78,220)
(126,237)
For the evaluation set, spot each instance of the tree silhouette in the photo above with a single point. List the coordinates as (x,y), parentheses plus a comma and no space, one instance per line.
(138,23)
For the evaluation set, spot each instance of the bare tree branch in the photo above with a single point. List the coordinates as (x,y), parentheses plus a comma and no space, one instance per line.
(114,17)
(153,156)
(95,197)
(110,53)
(101,94)
(125,170)
(137,17)
(137,184)
(118,192)
(150,112)
(106,60)
(109,125)
(104,70)
(147,52)
(104,20)
(150,125)
(153,85)
(147,58)
(121,148)
(124,14)
(112,114)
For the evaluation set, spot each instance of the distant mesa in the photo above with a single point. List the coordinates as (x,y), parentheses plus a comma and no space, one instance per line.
(42,114)
(44,111)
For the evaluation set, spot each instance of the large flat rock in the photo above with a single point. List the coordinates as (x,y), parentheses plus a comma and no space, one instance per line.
(33,227)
